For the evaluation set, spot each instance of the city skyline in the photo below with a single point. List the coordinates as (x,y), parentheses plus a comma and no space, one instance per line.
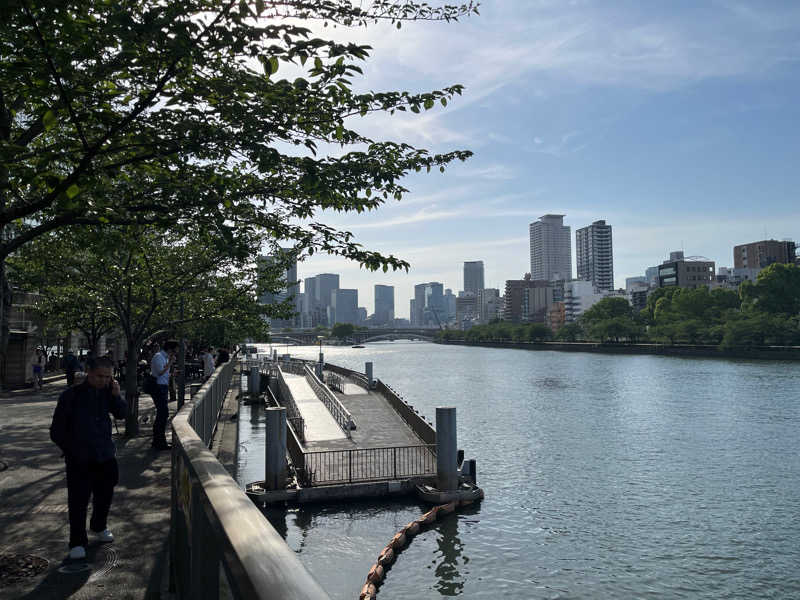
(677,124)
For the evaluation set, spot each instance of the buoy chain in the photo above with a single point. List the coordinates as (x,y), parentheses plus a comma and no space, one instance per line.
(403,537)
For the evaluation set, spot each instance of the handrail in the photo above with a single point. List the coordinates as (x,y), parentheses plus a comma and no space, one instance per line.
(292,412)
(215,524)
(359,379)
(339,413)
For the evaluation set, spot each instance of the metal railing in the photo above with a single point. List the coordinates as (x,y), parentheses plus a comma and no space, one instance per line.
(339,413)
(334,382)
(286,400)
(359,379)
(369,464)
(221,545)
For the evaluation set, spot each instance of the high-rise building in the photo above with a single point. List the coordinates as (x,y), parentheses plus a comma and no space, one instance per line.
(428,305)
(384,305)
(449,305)
(550,245)
(473,276)
(285,261)
(758,255)
(344,306)
(594,255)
(467,310)
(579,296)
(326,284)
(489,304)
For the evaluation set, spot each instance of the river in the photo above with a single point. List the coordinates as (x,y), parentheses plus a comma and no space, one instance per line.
(605,477)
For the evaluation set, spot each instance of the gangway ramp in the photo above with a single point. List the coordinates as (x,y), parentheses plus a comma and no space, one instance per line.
(320,424)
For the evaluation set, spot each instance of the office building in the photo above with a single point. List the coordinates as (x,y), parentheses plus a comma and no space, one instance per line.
(467,310)
(594,255)
(473,276)
(758,255)
(429,309)
(326,284)
(550,248)
(449,306)
(527,300)
(384,305)
(489,305)
(683,272)
(344,306)
(283,267)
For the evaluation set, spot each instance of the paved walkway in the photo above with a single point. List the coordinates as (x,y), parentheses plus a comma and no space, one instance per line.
(320,425)
(33,507)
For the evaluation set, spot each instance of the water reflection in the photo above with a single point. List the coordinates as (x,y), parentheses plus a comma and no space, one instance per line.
(449,582)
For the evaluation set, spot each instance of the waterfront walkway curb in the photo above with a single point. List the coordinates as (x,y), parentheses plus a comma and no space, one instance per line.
(33,507)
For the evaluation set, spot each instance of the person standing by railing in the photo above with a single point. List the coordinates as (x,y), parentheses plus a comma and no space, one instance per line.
(208,363)
(160,368)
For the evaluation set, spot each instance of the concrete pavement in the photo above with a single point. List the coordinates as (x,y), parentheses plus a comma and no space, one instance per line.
(33,507)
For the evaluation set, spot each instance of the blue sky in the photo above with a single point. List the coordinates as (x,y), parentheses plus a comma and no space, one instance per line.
(677,122)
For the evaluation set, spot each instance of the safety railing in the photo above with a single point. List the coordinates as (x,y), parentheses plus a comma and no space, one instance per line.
(286,400)
(369,464)
(221,545)
(334,382)
(359,379)
(339,413)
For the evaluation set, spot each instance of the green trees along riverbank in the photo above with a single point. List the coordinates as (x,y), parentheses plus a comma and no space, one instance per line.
(764,312)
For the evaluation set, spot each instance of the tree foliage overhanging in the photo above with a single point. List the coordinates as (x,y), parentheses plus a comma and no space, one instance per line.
(763,312)
(175,113)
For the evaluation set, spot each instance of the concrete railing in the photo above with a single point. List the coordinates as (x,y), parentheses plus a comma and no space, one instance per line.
(339,413)
(221,545)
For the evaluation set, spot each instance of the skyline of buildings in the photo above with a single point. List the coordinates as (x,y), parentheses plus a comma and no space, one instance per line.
(554,301)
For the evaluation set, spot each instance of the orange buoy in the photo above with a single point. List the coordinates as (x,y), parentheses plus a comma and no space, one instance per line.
(429,517)
(398,541)
(375,574)
(368,592)
(411,529)
(387,556)
(446,509)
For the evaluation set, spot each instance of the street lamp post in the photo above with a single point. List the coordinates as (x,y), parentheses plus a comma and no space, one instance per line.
(321,358)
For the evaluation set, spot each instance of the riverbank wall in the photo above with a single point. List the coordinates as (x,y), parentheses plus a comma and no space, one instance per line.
(684,351)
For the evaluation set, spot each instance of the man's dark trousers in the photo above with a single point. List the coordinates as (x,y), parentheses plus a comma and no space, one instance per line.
(97,479)
(162,412)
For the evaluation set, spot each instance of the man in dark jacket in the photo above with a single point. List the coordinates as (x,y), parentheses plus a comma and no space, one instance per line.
(82,429)
(71,364)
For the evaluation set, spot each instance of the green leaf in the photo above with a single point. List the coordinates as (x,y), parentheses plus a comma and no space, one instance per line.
(49,120)
(73,191)
(273,63)
(428,104)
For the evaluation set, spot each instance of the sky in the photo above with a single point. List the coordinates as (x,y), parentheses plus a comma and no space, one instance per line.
(676,122)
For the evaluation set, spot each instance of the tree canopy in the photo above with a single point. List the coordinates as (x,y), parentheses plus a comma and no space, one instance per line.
(169,113)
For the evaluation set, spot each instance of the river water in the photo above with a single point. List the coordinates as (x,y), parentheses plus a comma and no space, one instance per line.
(605,477)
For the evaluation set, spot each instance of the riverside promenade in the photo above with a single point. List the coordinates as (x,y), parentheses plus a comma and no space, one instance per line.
(33,509)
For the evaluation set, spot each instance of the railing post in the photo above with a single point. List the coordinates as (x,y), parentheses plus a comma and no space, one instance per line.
(446,449)
(275,459)
(350,466)
(368,370)
(394,460)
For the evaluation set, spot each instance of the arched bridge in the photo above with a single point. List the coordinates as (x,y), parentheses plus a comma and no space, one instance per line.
(360,336)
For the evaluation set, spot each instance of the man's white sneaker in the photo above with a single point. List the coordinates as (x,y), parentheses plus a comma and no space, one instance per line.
(77,552)
(105,536)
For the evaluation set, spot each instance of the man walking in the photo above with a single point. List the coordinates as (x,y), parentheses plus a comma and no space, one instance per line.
(160,367)
(81,427)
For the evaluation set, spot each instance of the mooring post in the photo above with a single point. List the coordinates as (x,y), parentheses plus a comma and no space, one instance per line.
(254,381)
(368,370)
(446,449)
(275,459)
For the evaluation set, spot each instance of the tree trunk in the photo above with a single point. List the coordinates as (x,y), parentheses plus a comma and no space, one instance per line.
(132,390)
(5,312)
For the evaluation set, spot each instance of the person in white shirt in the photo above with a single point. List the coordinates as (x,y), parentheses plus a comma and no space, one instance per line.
(208,363)
(160,368)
